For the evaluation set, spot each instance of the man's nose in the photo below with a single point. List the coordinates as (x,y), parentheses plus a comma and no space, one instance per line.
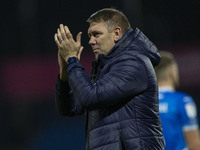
(92,40)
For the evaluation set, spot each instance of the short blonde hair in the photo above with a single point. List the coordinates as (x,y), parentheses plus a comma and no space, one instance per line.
(167,60)
(112,18)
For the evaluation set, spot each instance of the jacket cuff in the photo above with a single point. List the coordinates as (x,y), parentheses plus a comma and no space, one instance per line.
(73,65)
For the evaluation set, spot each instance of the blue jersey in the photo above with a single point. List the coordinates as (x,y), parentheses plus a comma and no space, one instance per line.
(177,112)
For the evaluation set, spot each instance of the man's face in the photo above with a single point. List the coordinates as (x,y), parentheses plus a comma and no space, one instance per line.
(101,40)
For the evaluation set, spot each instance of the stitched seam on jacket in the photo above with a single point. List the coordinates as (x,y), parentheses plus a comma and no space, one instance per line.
(136,122)
(122,121)
(105,144)
(140,137)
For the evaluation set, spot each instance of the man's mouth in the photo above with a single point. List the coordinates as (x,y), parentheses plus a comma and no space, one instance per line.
(95,50)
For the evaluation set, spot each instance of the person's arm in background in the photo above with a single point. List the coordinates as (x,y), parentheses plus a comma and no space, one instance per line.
(191,128)
(192,138)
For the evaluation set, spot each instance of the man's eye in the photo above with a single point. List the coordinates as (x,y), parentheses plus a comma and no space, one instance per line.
(96,34)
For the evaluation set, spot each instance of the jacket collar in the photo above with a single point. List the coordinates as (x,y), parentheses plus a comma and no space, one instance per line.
(101,57)
(125,36)
(166,89)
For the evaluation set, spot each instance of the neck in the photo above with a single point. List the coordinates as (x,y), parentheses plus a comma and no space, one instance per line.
(166,84)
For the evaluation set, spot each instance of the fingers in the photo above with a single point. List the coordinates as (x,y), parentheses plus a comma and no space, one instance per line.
(56,40)
(78,38)
(80,52)
(64,39)
(62,32)
(68,33)
(60,39)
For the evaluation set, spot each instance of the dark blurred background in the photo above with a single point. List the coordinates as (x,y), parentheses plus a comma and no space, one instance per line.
(29,68)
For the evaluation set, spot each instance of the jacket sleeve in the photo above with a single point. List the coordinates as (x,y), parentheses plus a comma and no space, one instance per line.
(124,80)
(66,103)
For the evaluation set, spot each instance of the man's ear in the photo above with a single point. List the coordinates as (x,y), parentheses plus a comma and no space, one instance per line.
(117,34)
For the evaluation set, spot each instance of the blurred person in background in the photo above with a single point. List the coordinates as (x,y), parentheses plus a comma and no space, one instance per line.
(177,109)
(120,96)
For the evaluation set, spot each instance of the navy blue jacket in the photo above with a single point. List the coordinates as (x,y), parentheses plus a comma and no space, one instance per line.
(120,97)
